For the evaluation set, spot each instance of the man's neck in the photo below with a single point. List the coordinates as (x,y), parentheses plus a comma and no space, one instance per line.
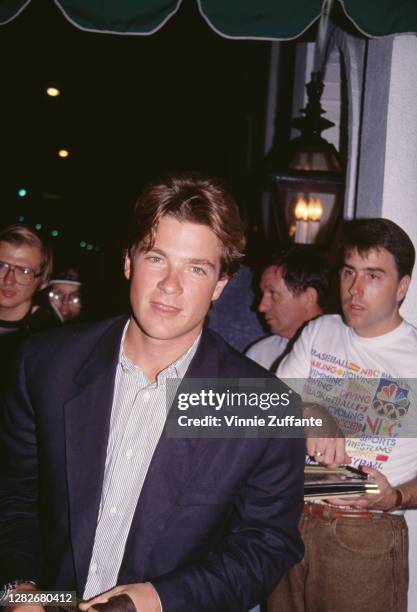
(315,311)
(309,314)
(15,314)
(381,329)
(153,355)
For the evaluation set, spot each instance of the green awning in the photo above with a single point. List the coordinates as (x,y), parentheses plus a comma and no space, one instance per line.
(383,17)
(247,19)
(261,19)
(9,9)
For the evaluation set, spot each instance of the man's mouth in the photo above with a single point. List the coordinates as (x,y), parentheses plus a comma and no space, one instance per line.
(164,309)
(354,307)
(8,293)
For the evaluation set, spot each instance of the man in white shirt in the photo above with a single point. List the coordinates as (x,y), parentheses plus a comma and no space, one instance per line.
(294,288)
(362,368)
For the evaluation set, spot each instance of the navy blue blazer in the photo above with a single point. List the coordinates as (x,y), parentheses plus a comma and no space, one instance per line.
(216,524)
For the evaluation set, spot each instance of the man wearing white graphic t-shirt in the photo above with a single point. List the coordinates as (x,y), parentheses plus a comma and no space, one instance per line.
(362,367)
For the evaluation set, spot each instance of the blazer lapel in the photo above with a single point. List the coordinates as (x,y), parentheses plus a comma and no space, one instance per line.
(87,420)
(172,465)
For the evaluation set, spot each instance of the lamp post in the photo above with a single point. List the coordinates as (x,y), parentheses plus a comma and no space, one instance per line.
(308,178)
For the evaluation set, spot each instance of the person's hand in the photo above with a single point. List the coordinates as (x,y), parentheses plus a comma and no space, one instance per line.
(326,444)
(25,587)
(328,451)
(384,500)
(143,595)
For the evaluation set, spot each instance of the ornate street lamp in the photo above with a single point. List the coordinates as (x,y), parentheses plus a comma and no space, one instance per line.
(308,178)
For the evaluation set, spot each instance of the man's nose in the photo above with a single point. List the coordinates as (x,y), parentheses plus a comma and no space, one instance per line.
(264,304)
(170,283)
(355,286)
(10,278)
(64,307)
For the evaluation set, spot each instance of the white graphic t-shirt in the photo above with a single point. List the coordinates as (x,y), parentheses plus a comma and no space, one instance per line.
(267,350)
(369,387)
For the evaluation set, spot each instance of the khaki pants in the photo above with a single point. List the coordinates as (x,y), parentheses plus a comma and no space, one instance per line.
(350,565)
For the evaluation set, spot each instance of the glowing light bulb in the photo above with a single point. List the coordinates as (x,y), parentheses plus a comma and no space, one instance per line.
(53,92)
(301,210)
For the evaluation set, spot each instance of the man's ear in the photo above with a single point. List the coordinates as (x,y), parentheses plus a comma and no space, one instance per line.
(127,265)
(310,296)
(403,287)
(218,290)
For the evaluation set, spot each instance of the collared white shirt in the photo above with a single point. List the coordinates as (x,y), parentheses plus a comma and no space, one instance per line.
(137,419)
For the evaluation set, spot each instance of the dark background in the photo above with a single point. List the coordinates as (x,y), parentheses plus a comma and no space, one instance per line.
(131,107)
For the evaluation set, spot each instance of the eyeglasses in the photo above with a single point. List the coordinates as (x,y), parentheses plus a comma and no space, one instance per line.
(23,275)
(60,297)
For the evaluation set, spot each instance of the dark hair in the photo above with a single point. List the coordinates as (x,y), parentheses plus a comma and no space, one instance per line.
(19,234)
(367,234)
(304,266)
(196,199)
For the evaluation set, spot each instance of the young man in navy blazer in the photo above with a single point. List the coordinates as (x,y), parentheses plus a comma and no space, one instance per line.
(95,497)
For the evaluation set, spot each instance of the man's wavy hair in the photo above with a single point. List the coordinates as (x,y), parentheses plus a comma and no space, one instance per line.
(195,199)
(19,234)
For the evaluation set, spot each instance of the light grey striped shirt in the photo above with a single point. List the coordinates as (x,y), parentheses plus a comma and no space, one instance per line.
(137,420)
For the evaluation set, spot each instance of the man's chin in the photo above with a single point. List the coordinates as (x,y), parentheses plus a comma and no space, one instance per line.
(159,332)
(352,316)
(162,332)
(356,322)
(272,329)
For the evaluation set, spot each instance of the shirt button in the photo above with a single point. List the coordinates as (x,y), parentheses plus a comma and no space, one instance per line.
(113,510)
(93,568)
(146,396)
(129,453)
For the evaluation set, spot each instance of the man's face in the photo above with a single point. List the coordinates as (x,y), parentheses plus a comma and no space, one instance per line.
(371,292)
(16,299)
(173,284)
(284,311)
(66,298)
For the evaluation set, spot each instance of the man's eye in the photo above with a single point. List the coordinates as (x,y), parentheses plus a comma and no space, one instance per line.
(198,270)
(25,271)
(346,272)
(154,259)
(373,276)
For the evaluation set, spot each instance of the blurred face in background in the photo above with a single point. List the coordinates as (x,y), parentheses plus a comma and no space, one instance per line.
(66,299)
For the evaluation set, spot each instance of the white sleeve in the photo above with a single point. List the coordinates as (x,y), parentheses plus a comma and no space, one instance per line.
(252,352)
(297,363)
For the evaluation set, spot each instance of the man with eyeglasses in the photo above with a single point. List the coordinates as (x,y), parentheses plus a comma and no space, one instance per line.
(25,266)
(65,295)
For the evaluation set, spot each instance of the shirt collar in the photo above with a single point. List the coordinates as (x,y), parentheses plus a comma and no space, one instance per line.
(177,369)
